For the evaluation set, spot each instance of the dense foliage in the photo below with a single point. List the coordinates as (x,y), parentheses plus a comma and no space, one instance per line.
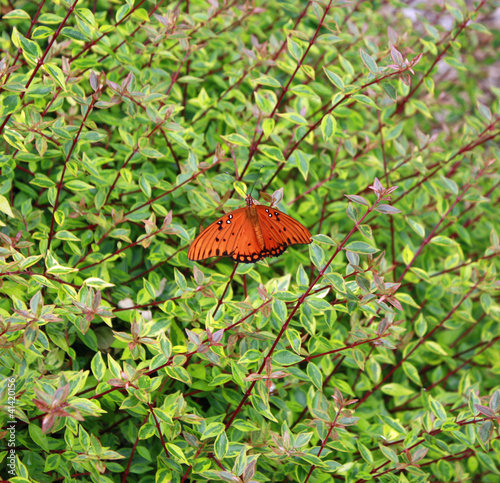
(371,353)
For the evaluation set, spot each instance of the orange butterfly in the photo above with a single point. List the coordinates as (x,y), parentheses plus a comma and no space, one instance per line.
(249,234)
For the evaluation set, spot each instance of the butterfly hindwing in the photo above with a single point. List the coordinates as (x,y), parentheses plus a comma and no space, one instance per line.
(246,247)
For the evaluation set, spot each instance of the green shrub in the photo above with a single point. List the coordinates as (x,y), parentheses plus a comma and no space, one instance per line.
(371,353)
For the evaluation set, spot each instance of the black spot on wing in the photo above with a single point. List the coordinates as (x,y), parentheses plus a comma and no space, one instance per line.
(273,252)
(251,258)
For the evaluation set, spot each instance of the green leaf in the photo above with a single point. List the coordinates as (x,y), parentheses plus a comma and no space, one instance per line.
(272,152)
(279,309)
(317,255)
(335,79)
(180,374)
(422,107)
(250,356)
(294,338)
(73,33)
(369,62)
(50,19)
(396,390)
(98,366)
(267,80)
(189,79)
(487,461)
(437,408)
(61,270)
(294,48)
(373,369)
(176,451)
(17,14)
(389,453)
(315,375)
(5,206)
(390,90)
(302,161)
(365,453)
(145,186)
(97,283)
(42,181)
(361,247)
(212,430)
(151,153)
(328,39)
(57,74)
(417,227)
(180,280)
(412,373)
(308,71)
(245,426)
(29,47)
(237,139)
(221,445)
(328,127)
(456,12)
(38,437)
(14,139)
(240,188)
(286,358)
(407,299)
(42,32)
(294,117)
(443,241)
(358,199)
(420,326)
(479,27)
(364,100)
(421,274)
(337,281)
(346,65)
(10,104)
(221,379)
(359,357)
(320,238)
(77,185)
(303,90)
(387,209)
(393,424)
(435,347)
(28,261)
(66,235)
(59,217)
(268,126)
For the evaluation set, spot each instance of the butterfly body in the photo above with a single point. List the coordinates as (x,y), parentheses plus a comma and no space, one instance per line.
(249,234)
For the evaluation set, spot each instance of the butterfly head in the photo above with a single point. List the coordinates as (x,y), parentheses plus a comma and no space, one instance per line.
(250,201)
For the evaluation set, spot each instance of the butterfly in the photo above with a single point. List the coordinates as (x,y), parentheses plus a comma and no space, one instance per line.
(249,234)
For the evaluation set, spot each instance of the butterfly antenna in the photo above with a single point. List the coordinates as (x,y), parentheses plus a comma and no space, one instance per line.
(256,179)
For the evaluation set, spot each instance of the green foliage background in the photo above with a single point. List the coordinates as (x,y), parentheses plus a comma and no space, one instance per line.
(371,354)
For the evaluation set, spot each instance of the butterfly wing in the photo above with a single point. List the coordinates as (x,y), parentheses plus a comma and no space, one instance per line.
(223,237)
(234,235)
(280,231)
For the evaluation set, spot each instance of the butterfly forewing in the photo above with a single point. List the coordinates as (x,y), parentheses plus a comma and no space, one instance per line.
(282,229)
(219,238)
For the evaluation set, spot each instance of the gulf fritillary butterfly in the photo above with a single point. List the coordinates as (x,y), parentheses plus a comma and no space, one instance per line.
(249,234)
